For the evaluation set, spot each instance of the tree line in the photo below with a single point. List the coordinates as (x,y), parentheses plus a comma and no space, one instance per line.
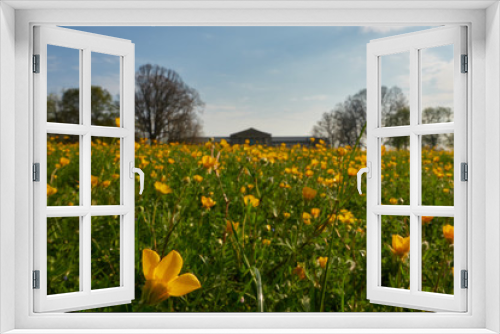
(342,125)
(166,108)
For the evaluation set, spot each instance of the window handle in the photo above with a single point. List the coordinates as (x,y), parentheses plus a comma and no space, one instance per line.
(133,170)
(368,171)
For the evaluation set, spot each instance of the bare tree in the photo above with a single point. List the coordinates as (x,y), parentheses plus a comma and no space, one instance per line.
(166,108)
(343,124)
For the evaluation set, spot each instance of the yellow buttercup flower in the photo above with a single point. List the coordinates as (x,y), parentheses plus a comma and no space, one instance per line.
(208,162)
(94,180)
(198,178)
(352,171)
(393,201)
(266,242)
(230,225)
(341,151)
(322,260)
(315,212)
(51,190)
(117,121)
(300,272)
(400,246)
(64,161)
(286,215)
(449,233)
(308,193)
(162,277)
(251,199)
(105,183)
(426,219)
(207,202)
(162,188)
(243,190)
(306,218)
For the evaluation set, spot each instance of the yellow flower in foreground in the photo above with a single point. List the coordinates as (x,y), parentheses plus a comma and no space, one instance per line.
(207,202)
(117,121)
(393,201)
(230,225)
(315,212)
(51,190)
(251,199)
(306,218)
(198,178)
(322,260)
(286,215)
(94,180)
(162,277)
(352,171)
(400,246)
(208,162)
(308,193)
(162,188)
(106,183)
(449,232)
(341,151)
(427,219)
(266,242)
(300,272)
(64,161)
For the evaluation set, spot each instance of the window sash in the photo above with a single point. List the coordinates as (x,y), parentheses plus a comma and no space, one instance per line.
(414,298)
(86,297)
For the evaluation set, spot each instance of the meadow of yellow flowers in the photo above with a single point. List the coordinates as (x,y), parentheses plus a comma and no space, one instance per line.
(251,227)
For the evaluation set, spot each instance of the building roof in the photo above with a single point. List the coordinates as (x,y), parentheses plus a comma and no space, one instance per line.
(250,133)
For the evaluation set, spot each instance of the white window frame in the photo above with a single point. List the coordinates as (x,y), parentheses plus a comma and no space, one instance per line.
(85,44)
(413,43)
(484,103)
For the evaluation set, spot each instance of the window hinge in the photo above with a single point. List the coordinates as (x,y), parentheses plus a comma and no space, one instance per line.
(464,171)
(36,279)
(36,172)
(465,64)
(464,277)
(36,63)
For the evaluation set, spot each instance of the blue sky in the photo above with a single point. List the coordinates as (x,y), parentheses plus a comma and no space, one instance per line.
(276,79)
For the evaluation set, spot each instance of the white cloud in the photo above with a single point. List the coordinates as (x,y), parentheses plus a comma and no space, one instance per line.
(381,29)
(437,80)
(109,82)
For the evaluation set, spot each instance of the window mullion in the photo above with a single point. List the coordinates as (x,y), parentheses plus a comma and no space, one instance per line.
(86,161)
(414,173)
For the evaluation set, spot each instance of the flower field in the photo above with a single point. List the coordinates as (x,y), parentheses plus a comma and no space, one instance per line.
(247,228)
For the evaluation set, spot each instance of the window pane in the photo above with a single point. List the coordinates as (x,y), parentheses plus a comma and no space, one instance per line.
(395,252)
(105,252)
(105,92)
(63,85)
(395,90)
(437,254)
(63,170)
(395,170)
(437,84)
(105,179)
(437,169)
(63,255)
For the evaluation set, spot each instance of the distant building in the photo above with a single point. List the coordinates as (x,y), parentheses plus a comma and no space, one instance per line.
(255,136)
(252,135)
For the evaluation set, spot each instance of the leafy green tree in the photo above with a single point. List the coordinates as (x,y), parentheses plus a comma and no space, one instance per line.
(437,115)
(66,108)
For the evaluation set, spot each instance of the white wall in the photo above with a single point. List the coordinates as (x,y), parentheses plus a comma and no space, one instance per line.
(7,159)
(492,147)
